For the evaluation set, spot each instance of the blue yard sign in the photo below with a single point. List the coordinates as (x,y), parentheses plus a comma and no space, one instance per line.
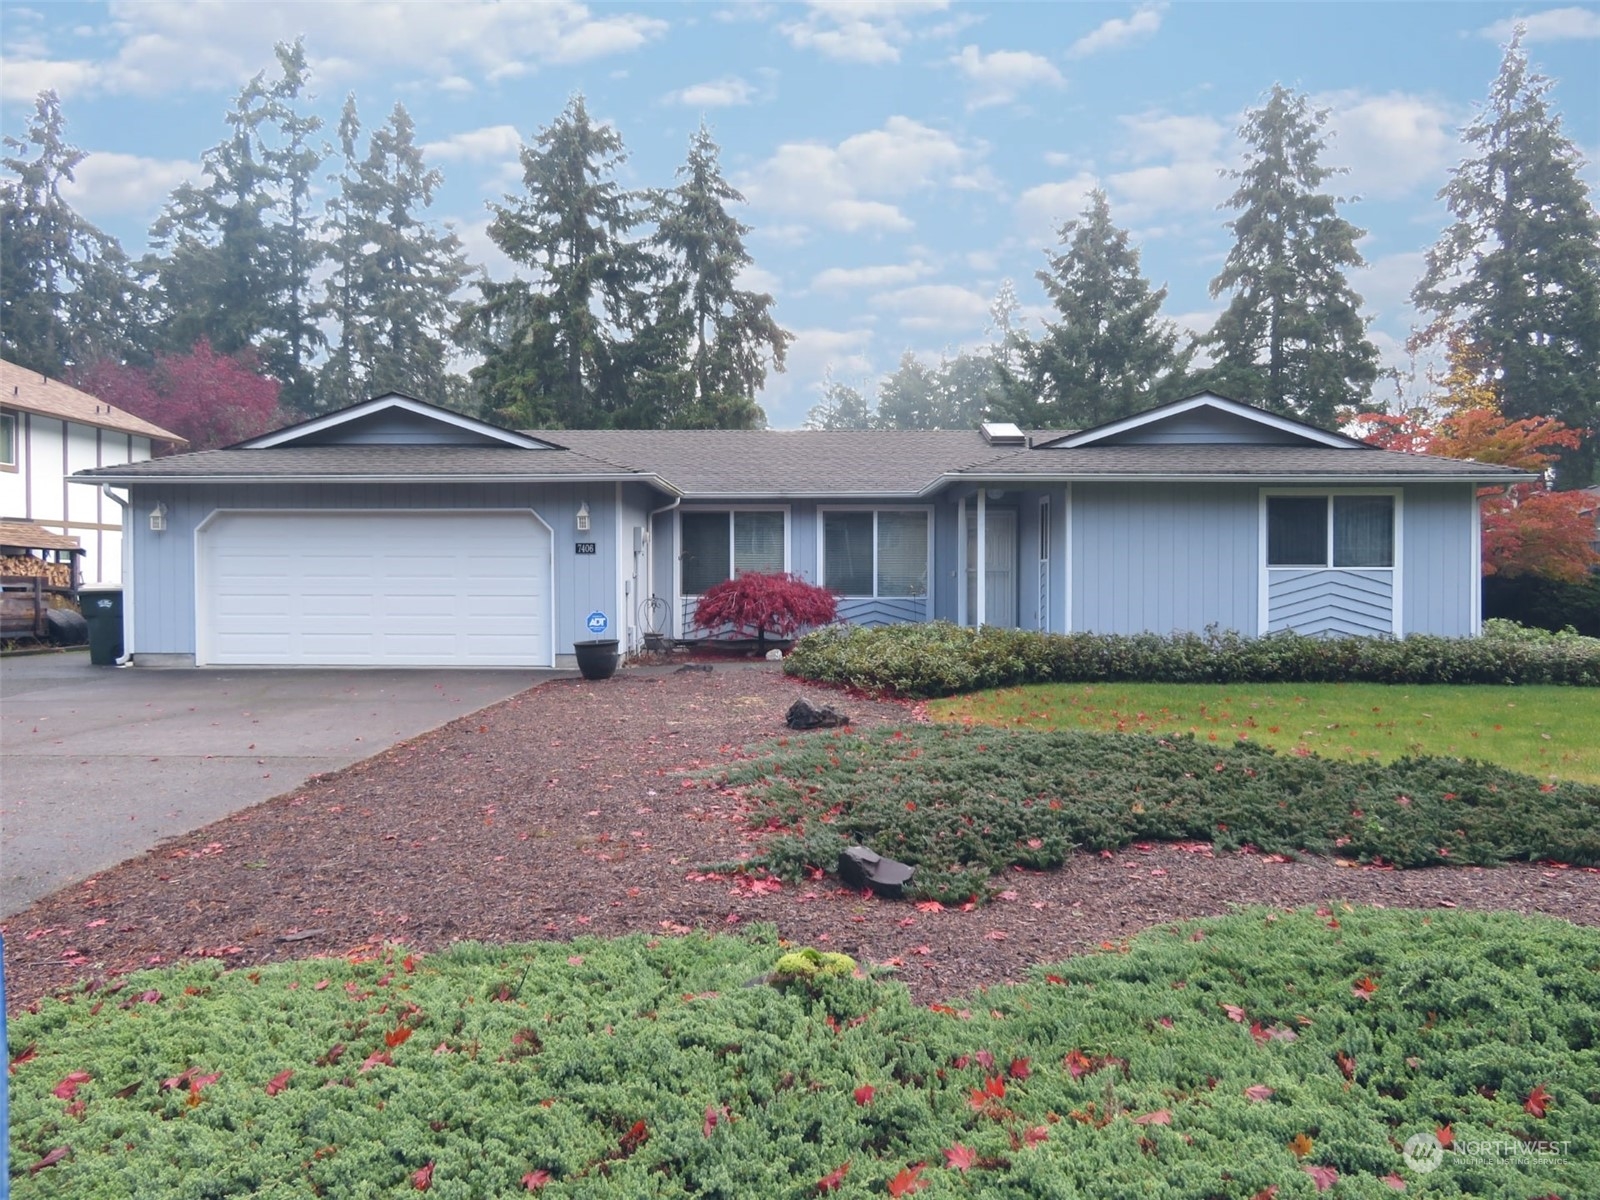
(598,623)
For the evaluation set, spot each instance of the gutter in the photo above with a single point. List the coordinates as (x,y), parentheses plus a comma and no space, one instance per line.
(650,553)
(127,573)
(233,480)
(1276,479)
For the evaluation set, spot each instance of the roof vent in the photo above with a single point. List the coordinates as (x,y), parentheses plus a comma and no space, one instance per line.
(1002,433)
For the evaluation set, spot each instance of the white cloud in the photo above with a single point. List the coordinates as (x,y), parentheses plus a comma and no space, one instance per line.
(207,43)
(1001,76)
(107,184)
(843,279)
(1043,208)
(1119,31)
(936,306)
(814,353)
(480,248)
(1189,180)
(492,143)
(1393,143)
(1551,25)
(1385,286)
(752,278)
(1165,135)
(864,31)
(844,186)
(717,93)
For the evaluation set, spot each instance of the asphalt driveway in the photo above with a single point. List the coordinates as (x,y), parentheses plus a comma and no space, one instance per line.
(98,764)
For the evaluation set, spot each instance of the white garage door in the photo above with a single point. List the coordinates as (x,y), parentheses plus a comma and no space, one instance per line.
(394,589)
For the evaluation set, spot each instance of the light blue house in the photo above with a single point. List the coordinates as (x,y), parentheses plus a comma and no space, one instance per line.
(395,533)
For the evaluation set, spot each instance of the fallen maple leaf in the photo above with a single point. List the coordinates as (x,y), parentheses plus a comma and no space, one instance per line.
(864,1094)
(69,1086)
(1235,1013)
(909,1180)
(1300,1145)
(1535,1104)
(278,1082)
(27,1054)
(1266,1193)
(1019,1068)
(422,1178)
(636,1136)
(1032,1137)
(50,1160)
(1161,1116)
(959,1157)
(378,1058)
(929,906)
(534,1180)
(1364,987)
(397,1037)
(1445,1136)
(1395,1182)
(1259,1091)
(1323,1177)
(833,1179)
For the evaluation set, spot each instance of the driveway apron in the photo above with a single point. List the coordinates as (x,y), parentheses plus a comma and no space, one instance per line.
(98,764)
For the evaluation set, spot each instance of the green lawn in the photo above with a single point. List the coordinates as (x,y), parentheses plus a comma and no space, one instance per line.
(1266,1053)
(1551,732)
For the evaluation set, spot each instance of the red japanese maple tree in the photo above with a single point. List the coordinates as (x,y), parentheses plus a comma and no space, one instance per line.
(759,605)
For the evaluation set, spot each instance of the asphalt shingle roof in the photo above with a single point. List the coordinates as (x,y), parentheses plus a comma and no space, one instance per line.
(377,462)
(29,391)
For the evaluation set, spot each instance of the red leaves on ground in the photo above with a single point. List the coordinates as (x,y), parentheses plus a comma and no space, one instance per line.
(864,1094)
(1364,987)
(1536,1102)
(534,1180)
(378,1058)
(1323,1177)
(69,1086)
(929,906)
(714,1114)
(1161,1116)
(1394,1181)
(834,1178)
(959,1157)
(909,1180)
(1266,1193)
(1235,1013)
(278,1082)
(50,1160)
(1347,1065)
(422,1178)
(1300,1145)
(1035,1135)
(1258,1092)
(27,1054)
(1019,1068)
(334,1054)
(1445,1135)
(397,1037)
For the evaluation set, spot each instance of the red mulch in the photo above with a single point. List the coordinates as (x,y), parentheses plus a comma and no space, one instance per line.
(567,810)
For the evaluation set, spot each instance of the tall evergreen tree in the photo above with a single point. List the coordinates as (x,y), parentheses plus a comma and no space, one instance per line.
(1108,353)
(1518,272)
(554,349)
(1292,338)
(235,256)
(392,291)
(957,393)
(734,335)
(841,407)
(66,293)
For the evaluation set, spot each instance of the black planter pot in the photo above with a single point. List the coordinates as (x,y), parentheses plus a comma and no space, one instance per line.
(597,660)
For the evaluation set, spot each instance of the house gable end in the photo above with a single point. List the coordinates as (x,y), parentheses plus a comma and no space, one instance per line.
(394,420)
(1206,419)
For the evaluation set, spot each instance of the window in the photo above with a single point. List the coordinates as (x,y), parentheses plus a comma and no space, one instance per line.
(882,553)
(1359,528)
(720,545)
(8,439)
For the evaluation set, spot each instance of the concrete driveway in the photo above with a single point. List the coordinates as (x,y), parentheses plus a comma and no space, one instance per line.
(98,764)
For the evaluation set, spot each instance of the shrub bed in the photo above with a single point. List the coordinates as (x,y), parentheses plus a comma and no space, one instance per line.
(940,659)
(1264,1053)
(962,804)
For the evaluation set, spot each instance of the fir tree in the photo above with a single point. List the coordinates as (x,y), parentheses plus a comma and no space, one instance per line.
(1292,339)
(66,293)
(1518,272)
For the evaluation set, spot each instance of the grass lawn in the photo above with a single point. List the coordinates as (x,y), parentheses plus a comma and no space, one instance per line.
(1266,1053)
(1551,732)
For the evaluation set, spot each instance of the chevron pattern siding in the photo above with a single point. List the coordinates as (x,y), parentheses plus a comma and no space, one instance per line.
(1331,603)
(898,610)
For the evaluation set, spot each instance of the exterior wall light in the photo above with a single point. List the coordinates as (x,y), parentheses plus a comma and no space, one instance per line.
(158,518)
(583,517)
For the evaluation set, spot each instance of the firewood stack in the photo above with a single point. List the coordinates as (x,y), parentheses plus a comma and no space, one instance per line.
(26,566)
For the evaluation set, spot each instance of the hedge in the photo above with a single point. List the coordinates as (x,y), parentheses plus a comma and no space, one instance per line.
(941,659)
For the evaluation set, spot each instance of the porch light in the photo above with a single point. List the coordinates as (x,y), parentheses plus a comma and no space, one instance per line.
(583,517)
(158,518)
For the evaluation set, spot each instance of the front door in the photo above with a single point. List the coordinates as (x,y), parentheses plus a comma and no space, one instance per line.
(1000,567)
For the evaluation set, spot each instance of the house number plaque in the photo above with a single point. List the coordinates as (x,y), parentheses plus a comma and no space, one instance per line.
(584,547)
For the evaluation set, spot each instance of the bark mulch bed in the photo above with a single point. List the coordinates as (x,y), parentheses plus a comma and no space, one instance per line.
(568,810)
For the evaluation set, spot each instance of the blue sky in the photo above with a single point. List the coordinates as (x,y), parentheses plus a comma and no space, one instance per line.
(900,160)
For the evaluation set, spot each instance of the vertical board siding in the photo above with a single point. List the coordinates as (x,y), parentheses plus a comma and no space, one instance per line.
(164,563)
(1331,603)
(1439,559)
(1164,557)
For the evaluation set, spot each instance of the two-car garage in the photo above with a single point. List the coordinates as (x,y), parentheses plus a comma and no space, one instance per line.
(374,588)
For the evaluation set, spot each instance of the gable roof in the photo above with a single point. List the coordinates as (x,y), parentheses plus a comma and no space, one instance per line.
(1300,430)
(452,425)
(29,391)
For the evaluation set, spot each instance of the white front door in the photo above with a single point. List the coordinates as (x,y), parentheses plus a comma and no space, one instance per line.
(374,588)
(999,568)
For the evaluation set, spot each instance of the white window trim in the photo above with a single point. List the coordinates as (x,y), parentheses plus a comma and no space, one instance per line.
(874,509)
(13,463)
(730,509)
(1397,574)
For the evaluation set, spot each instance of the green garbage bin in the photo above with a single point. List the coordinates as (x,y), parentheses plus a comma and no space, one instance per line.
(102,608)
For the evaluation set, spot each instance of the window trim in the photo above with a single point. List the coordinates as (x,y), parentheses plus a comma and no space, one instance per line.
(730,509)
(1397,574)
(822,546)
(13,463)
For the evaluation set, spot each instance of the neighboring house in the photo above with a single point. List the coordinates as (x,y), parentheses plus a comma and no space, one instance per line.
(1590,506)
(48,431)
(398,533)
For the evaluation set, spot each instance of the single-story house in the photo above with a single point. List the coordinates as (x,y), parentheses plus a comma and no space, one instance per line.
(396,533)
(48,430)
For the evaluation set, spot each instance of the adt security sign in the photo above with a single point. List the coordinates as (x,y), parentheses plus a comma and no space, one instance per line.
(597,623)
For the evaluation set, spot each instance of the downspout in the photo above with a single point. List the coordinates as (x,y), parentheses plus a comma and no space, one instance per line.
(650,554)
(127,574)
